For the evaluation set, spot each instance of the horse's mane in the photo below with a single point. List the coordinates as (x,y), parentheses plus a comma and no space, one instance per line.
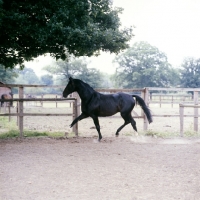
(84,84)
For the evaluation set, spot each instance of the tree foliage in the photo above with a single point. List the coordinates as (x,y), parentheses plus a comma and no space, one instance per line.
(144,65)
(27,76)
(63,27)
(77,68)
(7,75)
(190,73)
(47,79)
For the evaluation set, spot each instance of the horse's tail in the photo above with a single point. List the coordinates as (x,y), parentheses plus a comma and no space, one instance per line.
(144,107)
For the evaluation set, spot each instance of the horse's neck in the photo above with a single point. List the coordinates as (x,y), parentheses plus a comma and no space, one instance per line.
(85,92)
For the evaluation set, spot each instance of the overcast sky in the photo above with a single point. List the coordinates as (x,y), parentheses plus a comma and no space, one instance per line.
(173,26)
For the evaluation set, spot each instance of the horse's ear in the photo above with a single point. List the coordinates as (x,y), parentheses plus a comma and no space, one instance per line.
(71,80)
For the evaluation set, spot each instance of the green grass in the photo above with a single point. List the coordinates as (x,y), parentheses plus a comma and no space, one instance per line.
(4,123)
(14,133)
(165,134)
(11,130)
(159,134)
(9,134)
(191,133)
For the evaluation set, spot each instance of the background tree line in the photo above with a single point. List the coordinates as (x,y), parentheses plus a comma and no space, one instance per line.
(144,65)
(141,65)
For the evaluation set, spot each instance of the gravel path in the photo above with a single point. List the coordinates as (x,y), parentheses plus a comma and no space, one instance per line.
(124,168)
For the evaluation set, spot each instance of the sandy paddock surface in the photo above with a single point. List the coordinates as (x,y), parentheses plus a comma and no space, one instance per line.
(109,125)
(123,168)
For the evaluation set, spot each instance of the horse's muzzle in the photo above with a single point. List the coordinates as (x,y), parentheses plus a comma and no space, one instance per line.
(65,95)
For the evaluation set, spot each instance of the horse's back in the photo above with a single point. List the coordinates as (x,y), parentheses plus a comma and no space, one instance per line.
(110,104)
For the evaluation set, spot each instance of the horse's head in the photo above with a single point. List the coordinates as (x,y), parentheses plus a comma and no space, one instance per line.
(69,88)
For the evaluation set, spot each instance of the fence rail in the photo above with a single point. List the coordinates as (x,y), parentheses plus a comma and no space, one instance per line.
(145,94)
(20,114)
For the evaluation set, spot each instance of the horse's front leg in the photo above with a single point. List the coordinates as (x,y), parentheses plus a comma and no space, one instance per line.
(96,122)
(80,117)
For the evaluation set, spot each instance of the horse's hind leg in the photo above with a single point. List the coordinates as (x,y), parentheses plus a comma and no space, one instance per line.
(126,121)
(120,128)
(133,123)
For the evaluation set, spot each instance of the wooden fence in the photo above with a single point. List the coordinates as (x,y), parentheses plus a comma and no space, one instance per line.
(192,103)
(76,104)
(196,115)
(20,114)
(145,94)
(172,99)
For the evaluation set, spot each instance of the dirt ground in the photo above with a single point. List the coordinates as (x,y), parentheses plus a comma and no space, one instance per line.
(123,168)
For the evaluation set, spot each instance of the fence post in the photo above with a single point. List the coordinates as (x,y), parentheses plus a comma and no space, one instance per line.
(41,102)
(4,107)
(145,95)
(74,116)
(78,105)
(76,96)
(27,103)
(21,96)
(181,112)
(17,111)
(195,111)
(9,113)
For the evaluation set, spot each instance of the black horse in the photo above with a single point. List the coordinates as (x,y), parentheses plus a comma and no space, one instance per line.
(5,97)
(95,104)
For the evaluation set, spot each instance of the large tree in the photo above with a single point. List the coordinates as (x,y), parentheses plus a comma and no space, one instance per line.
(144,65)
(190,73)
(63,27)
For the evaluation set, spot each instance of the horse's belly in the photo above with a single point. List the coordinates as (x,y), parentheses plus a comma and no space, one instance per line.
(108,112)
